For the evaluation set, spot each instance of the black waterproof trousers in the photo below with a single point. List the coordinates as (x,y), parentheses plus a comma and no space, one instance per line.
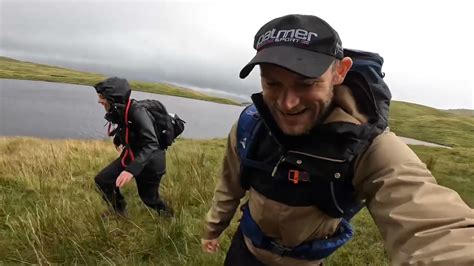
(239,254)
(148,182)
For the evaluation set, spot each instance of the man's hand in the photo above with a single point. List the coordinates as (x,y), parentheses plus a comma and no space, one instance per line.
(123,179)
(210,245)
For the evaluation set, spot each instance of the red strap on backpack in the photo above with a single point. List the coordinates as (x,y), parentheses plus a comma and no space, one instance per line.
(128,150)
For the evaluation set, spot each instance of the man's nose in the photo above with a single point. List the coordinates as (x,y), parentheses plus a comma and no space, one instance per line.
(288,100)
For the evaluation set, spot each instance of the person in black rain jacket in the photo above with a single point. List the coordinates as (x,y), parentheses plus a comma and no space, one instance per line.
(141,157)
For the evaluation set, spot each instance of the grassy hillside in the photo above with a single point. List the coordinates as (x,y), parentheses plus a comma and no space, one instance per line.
(433,125)
(15,69)
(462,111)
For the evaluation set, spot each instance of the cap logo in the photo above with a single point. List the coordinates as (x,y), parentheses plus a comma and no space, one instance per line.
(299,36)
(339,50)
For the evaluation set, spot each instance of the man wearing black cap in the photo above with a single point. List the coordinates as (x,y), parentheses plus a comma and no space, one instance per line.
(141,156)
(313,148)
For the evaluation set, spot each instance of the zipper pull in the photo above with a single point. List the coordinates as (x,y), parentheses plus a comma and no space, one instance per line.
(282,159)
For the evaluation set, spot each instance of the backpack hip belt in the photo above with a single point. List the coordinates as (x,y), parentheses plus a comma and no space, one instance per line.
(313,250)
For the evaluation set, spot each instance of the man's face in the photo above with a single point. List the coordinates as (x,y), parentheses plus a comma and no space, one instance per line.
(102,101)
(296,102)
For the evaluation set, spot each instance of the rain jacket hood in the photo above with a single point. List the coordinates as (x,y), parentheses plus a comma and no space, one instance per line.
(116,90)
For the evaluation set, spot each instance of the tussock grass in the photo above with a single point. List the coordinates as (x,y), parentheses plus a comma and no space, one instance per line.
(15,69)
(50,211)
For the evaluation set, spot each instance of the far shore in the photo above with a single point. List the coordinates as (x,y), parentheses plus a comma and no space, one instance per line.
(16,69)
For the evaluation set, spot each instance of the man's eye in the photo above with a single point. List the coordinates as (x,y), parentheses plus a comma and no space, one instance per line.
(309,83)
(272,83)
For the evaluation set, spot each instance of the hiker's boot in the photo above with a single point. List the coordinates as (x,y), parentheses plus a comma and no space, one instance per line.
(114,214)
(118,208)
(121,208)
(122,213)
(165,211)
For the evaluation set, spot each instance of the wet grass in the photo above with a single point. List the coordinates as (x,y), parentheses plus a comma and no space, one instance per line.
(50,211)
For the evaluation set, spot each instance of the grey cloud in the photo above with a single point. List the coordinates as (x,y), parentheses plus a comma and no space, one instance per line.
(205,44)
(171,42)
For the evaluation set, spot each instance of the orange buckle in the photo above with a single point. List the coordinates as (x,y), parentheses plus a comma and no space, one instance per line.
(298,176)
(294,175)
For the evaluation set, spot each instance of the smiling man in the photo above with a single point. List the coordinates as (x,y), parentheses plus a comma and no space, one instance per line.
(314,148)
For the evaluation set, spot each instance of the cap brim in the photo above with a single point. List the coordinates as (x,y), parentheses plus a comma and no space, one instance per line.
(304,62)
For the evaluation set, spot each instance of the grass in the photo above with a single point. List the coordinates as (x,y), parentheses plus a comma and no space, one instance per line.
(469,112)
(15,69)
(50,212)
(432,125)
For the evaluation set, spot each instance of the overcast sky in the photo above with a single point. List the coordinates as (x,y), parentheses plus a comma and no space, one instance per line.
(427,45)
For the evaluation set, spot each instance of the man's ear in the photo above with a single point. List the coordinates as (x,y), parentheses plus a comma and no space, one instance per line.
(341,70)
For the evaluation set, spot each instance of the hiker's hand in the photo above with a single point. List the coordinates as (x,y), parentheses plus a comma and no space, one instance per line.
(210,245)
(123,179)
(119,148)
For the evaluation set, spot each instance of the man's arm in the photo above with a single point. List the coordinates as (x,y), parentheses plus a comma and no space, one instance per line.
(227,194)
(420,221)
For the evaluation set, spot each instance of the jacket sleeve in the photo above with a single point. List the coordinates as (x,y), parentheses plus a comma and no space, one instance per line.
(118,138)
(228,192)
(421,222)
(147,138)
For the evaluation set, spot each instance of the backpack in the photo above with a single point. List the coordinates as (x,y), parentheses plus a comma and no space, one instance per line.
(167,126)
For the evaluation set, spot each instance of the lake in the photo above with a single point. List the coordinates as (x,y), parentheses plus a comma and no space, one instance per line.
(57,110)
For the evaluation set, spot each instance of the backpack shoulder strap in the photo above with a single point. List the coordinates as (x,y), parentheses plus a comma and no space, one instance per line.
(247,128)
(248,120)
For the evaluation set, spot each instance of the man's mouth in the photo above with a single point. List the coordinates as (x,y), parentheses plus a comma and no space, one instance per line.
(294,113)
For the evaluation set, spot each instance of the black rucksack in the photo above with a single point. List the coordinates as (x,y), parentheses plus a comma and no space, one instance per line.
(168,127)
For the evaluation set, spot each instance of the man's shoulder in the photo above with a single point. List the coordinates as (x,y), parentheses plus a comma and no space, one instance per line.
(387,137)
(386,154)
(387,148)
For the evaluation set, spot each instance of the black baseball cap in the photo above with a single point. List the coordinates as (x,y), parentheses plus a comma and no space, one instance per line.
(301,43)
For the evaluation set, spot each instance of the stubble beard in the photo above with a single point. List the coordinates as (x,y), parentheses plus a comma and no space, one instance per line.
(302,129)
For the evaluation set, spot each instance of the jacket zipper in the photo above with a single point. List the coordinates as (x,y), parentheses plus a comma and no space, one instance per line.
(334,199)
(282,158)
(318,157)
